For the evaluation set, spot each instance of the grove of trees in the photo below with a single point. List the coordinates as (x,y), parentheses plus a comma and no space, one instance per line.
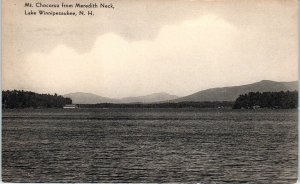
(28,99)
(282,100)
(216,104)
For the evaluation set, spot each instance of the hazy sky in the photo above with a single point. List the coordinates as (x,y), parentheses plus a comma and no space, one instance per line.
(142,47)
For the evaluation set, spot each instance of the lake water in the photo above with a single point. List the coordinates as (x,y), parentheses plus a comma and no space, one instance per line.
(149,145)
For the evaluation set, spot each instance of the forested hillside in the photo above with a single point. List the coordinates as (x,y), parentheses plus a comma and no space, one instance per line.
(283,100)
(28,99)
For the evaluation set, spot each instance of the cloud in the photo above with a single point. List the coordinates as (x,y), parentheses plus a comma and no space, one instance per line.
(196,54)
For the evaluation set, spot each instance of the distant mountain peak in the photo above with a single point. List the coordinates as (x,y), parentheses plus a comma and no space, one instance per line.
(90,98)
(267,81)
(151,98)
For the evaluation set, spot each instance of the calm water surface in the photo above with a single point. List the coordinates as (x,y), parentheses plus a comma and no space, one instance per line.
(149,145)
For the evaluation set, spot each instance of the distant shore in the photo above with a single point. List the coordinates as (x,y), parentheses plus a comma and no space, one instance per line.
(253,100)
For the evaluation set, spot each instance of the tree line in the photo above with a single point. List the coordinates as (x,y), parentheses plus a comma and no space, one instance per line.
(281,100)
(216,104)
(27,99)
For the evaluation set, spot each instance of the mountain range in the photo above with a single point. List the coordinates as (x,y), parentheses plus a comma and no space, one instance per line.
(212,94)
(89,98)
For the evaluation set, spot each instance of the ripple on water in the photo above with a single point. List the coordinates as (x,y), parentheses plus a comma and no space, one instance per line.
(134,145)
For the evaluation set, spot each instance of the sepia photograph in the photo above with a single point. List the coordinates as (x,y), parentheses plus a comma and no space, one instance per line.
(160,91)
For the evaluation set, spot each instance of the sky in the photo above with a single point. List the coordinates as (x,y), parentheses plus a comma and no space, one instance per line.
(143,47)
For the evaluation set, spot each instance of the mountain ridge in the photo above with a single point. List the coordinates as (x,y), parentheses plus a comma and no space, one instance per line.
(230,93)
(90,98)
(151,98)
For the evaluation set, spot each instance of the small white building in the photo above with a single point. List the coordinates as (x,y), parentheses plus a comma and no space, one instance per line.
(70,106)
(255,106)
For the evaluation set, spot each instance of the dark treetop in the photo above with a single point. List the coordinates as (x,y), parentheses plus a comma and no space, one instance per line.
(28,99)
(282,100)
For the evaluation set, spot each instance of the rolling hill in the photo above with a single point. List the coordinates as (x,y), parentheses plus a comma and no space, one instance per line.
(231,93)
(154,97)
(89,98)
(213,94)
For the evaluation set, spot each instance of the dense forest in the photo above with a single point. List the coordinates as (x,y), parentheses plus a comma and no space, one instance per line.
(217,104)
(28,99)
(281,100)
